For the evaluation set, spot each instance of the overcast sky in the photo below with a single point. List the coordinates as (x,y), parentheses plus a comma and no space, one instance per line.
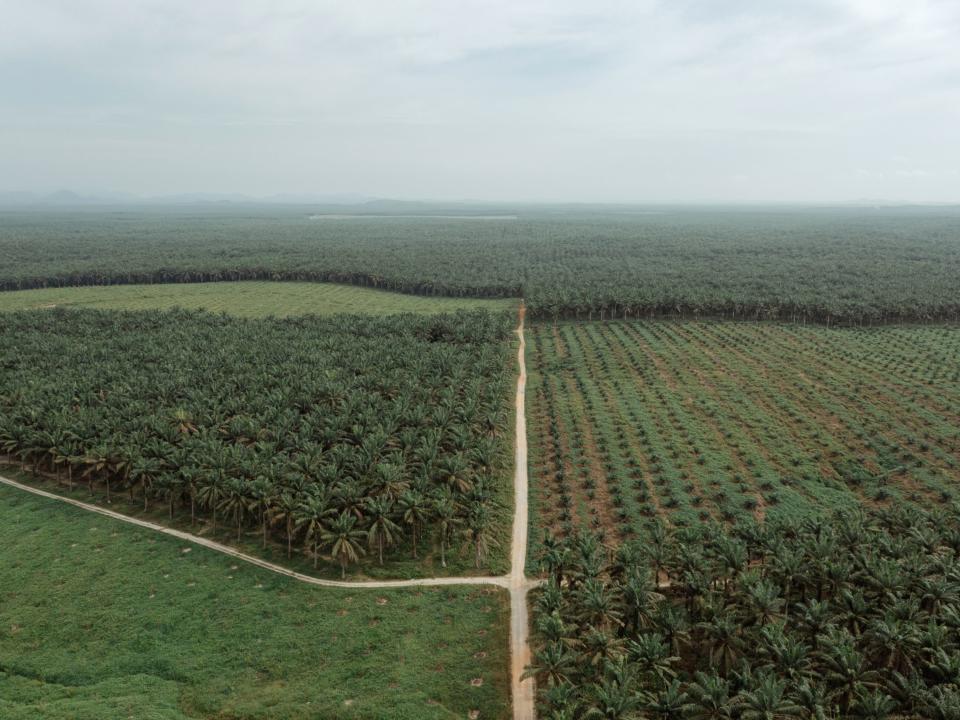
(636,101)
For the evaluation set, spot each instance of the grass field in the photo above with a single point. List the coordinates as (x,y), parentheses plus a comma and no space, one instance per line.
(248,299)
(691,421)
(99,620)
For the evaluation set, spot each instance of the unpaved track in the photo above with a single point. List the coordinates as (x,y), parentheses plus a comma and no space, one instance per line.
(523,690)
(279,569)
(516,581)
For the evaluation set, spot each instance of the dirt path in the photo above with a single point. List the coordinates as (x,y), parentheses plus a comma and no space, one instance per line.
(233,552)
(516,581)
(523,690)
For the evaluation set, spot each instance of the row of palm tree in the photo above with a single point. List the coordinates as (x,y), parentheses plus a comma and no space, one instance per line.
(333,437)
(851,615)
(797,266)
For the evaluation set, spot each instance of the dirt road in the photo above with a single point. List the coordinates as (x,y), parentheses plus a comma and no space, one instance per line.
(523,690)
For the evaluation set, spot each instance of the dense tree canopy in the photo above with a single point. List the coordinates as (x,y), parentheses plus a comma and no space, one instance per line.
(345,436)
(855,615)
(827,265)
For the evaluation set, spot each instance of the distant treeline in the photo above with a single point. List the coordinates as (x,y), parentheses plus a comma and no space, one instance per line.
(827,266)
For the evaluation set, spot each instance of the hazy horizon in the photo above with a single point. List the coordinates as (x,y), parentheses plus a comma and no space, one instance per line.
(686,102)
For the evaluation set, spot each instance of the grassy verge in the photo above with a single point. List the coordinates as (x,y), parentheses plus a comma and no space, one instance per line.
(102,620)
(399,562)
(247,299)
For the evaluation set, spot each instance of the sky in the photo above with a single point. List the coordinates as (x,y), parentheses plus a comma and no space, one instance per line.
(495,100)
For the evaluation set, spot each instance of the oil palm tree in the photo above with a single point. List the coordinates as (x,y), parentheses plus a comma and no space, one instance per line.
(144,471)
(708,698)
(846,672)
(344,539)
(873,705)
(383,531)
(446,519)
(414,511)
(283,511)
(722,634)
(478,527)
(235,501)
(312,512)
(766,699)
(553,664)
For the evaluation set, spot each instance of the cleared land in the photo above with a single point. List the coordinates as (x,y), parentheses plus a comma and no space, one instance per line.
(691,421)
(101,620)
(246,299)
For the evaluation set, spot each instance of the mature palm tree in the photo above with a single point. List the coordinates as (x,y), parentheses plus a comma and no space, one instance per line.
(170,487)
(261,491)
(763,602)
(562,701)
(350,497)
(708,698)
(651,655)
(599,604)
(389,480)
(765,700)
(210,493)
(907,690)
(446,519)
(813,618)
(455,473)
(553,664)
(854,609)
(722,635)
(97,461)
(789,657)
(383,531)
(640,598)
(811,698)
(612,701)
(283,510)
(944,667)
(942,703)
(554,558)
(898,640)
(669,702)
(846,672)
(344,539)
(873,705)
(414,511)
(312,512)
(938,592)
(478,527)
(145,470)
(600,647)
(552,628)
(235,501)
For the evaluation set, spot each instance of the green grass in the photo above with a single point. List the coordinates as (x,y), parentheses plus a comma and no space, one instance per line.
(398,561)
(100,620)
(247,299)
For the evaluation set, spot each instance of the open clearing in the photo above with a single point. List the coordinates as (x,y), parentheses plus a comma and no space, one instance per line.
(101,620)
(246,299)
(691,421)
